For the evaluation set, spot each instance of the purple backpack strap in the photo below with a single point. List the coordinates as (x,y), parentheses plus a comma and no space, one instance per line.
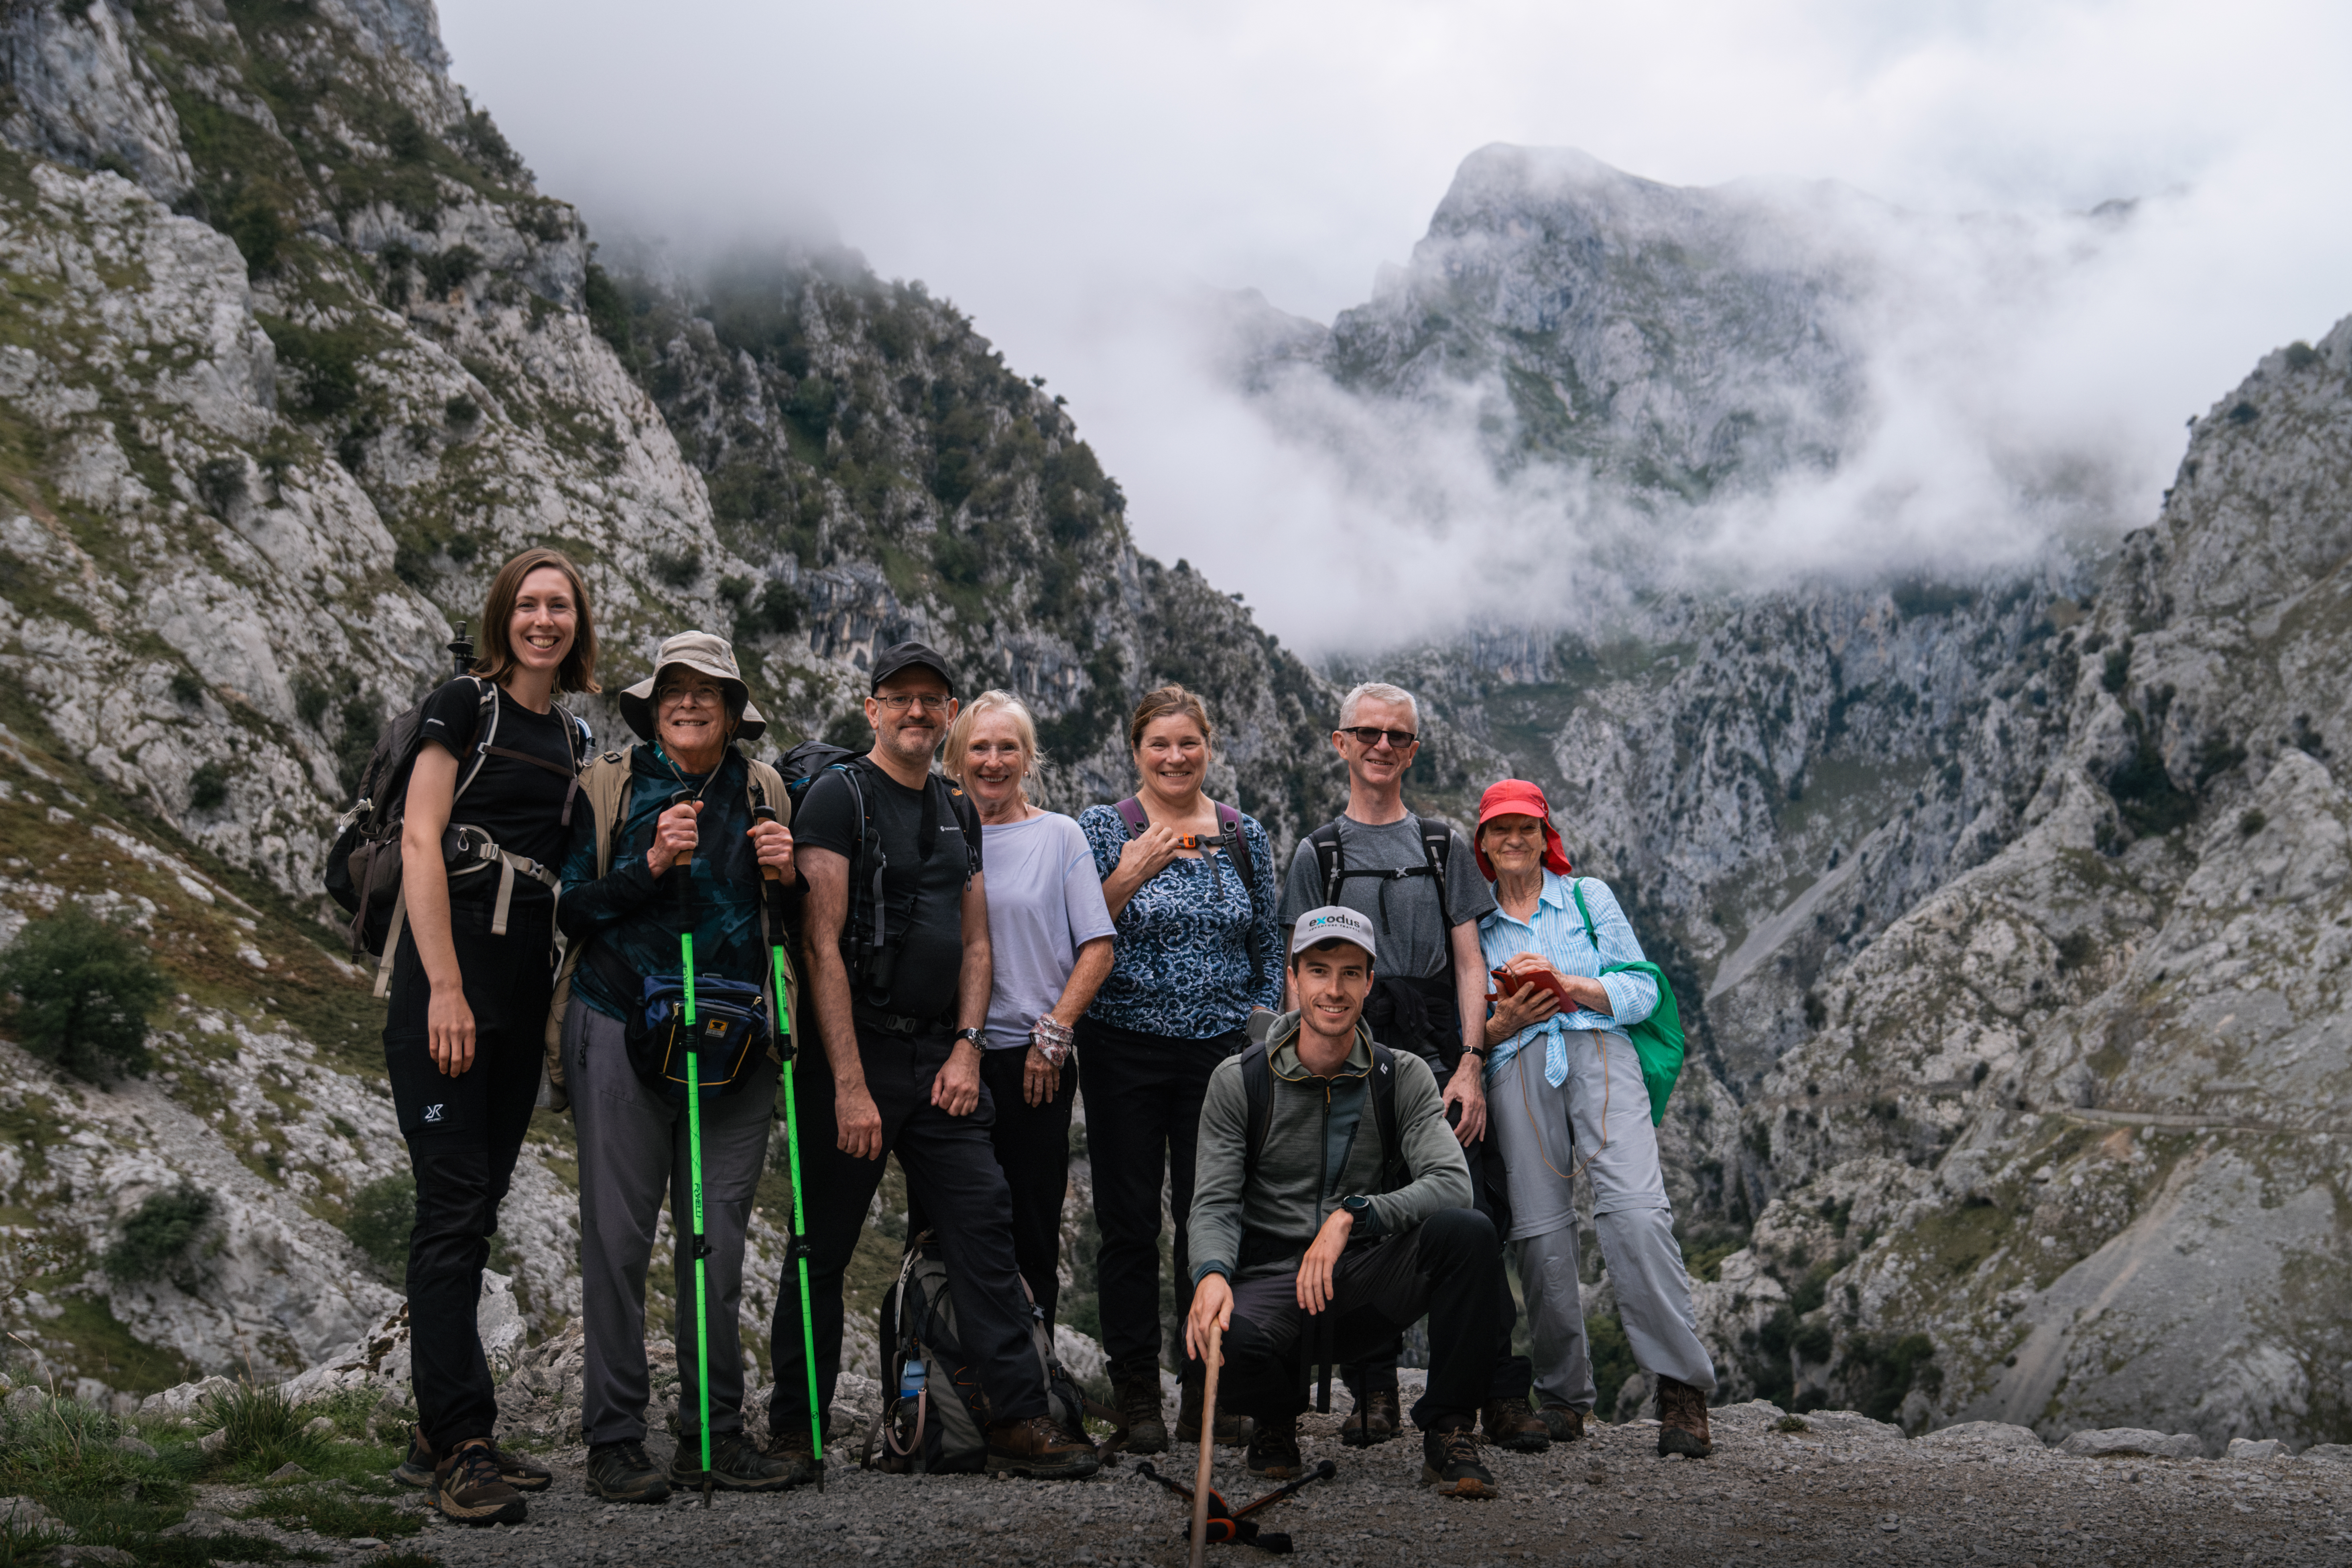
(1228,822)
(1130,811)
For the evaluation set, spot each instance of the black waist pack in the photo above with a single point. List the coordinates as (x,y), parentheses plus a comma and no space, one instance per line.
(730,1031)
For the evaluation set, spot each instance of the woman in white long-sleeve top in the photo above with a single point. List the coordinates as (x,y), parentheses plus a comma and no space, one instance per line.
(1552,1070)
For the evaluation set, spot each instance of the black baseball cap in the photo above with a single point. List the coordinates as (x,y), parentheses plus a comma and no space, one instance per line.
(905,655)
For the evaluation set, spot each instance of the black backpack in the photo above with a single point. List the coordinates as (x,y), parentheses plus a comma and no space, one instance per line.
(944,1429)
(876,957)
(363,871)
(1436,848)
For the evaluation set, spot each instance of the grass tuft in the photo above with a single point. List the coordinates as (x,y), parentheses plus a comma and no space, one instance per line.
(265,1431)
(334,1510)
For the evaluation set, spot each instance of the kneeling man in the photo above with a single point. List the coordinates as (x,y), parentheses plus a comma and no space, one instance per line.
(1330,1209)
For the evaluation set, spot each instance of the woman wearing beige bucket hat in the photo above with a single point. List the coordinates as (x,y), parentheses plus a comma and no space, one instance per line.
(684,802)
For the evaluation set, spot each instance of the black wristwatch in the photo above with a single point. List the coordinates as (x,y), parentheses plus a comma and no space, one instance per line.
(972,1034)
(1357,1206)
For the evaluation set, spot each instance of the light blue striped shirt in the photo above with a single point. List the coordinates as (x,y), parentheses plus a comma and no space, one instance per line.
(1558,937)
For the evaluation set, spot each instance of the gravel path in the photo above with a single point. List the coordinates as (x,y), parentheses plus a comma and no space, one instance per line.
(1845,1490)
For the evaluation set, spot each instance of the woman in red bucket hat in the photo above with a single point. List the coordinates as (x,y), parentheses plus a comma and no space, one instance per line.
(1560,1066)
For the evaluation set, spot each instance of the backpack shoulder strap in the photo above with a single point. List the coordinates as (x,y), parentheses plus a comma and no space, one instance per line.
(1436,849)
(967,821)
(1576,891)
(1130,811)
(1257,1081)
(1330,860)
(764,785)
(486,730)
(1229,828)
(605,783)
(1393,1174)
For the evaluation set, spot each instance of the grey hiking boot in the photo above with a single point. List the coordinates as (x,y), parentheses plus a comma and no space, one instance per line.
(1451,1459)
(620,1473)
(417,1468)
(736,1466)
(468,1487)
(1139,1417)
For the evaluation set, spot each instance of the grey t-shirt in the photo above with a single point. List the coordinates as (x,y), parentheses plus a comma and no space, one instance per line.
(1411,929)
(1045,902)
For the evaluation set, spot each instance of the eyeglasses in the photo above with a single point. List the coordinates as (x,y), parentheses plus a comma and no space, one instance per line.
(1368,737)
(920,702)
(689,696)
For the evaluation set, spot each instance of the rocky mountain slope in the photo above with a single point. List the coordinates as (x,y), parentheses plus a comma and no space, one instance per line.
(292,352)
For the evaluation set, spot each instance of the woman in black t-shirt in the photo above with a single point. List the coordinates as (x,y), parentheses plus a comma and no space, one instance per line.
(463,1038)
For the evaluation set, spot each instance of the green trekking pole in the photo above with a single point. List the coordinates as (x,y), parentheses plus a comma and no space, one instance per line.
(694,1152)
(786,1049)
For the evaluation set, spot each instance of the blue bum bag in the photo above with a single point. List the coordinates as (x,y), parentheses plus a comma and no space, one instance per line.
(731,1028)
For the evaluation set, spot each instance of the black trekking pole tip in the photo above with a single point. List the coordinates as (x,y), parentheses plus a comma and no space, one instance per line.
(705,1489)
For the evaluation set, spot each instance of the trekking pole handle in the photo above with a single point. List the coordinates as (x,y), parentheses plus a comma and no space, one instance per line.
(461,650)
(766,813)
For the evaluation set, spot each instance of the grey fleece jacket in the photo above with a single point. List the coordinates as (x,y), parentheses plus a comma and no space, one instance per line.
(1322,1144)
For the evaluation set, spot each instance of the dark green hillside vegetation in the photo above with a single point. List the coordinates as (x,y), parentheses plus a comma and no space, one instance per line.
(876,456)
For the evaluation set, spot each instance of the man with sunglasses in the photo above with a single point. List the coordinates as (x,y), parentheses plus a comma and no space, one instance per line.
(1418,882)
(901,1017)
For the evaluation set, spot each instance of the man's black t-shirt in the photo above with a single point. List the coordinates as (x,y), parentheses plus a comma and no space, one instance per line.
(519,805)
(923,896)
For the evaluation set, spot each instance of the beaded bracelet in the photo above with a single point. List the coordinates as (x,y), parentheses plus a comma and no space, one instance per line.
(1052,1039)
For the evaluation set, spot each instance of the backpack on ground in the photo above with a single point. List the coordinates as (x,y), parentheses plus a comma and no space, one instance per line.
(363,863)
(943,1428)
(654,1053)
(1436,849)
(873,954)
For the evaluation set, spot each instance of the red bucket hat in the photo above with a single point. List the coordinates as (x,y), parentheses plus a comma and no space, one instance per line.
(1517,797)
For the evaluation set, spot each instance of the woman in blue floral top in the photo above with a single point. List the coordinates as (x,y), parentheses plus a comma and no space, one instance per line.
(1197,953)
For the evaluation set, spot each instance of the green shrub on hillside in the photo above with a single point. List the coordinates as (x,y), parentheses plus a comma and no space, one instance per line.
(159,1234)
(382,1212)
(83,989)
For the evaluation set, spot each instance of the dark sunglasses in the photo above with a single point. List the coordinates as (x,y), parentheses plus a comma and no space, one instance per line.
(1368,737)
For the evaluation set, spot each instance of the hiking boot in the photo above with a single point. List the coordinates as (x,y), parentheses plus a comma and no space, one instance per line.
(417,1469)
(1274,1449)
(1232,1431)
(736,1466)
(1509,1424)
(795,1455)
(1682,1420)
(468,1487)
(1564,1422)
(1039,1449)
(1451,1459)
(1374,1420)
(620,1473)
(1138,1416)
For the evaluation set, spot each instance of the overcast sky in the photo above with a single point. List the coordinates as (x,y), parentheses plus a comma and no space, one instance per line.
(1065,171)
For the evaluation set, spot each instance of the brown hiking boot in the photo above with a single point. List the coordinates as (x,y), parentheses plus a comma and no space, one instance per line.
(793,1450)
(418,1467)
(1682,1420)
(1039,1449)
(1140,1424)
(1232,1431)
(1511,1425)
(468,1487)
(1274,1449)
(1449,1458)
(1564,1422)
(1375,1419)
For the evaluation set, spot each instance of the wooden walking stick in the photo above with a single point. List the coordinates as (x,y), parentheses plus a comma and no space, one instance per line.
(1212,1358)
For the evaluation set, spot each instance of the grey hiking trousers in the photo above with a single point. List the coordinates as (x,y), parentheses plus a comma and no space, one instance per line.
(633,1149)
(1528,1122)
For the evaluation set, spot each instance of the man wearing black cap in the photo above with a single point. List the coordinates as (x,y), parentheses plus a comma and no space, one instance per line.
(898,960)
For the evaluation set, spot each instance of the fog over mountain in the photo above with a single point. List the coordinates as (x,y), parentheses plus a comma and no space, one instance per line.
(1084,173)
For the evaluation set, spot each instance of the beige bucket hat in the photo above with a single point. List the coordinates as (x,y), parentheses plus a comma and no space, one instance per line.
(705,654)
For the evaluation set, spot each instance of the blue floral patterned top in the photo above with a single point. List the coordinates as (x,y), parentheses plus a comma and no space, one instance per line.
(1184,965)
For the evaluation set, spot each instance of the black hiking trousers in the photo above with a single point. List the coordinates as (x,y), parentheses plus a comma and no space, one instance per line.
(1449,1266)
(464,1136)
(950,1161)
(1032,1149)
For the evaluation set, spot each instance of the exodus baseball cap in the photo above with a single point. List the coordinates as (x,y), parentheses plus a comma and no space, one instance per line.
(903,655)
(1332,922)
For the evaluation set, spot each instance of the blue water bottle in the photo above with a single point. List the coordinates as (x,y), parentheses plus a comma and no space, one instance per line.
(910,1378)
